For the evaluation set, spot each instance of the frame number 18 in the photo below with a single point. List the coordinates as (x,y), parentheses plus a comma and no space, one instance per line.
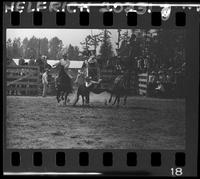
(176,171)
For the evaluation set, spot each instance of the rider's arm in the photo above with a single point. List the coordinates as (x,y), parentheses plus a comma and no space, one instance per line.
(56,64)
(76,81)
(87,84)
(93,82)
(67,63)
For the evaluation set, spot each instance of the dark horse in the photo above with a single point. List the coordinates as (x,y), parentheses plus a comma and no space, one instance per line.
(63,85)
(120,89)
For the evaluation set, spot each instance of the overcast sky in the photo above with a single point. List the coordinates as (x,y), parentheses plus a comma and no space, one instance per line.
(68,36)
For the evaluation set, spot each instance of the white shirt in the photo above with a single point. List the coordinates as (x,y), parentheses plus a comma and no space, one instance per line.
(65,63)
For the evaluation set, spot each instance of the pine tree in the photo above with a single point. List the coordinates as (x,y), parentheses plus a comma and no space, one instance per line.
(106,51)
(9,48)
(73,52)
(24,47)
(17,48)
(55,47)
(43,46)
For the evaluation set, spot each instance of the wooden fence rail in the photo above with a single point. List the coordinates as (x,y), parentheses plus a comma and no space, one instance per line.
(26,80)
(143,83)
(137,83)
(23,80)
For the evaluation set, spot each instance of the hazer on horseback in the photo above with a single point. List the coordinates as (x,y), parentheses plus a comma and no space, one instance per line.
(120,88)
(88,82)
(63,82)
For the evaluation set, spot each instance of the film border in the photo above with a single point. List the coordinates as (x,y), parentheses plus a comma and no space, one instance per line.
(192,28)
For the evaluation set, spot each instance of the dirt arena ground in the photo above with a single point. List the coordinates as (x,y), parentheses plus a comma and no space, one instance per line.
(145,123)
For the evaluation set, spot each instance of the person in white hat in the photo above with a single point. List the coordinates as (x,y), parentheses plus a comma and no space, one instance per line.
(65,63)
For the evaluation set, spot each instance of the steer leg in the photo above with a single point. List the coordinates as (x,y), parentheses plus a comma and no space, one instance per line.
(77,98)
(58,96)
(115,100)
(66,95)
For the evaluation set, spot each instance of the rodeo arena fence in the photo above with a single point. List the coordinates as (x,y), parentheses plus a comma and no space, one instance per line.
(23,80)
(142,84)
(26,80)
(138,83)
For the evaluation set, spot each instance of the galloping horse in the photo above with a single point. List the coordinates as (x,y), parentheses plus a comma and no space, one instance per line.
(120,89)
(63,85)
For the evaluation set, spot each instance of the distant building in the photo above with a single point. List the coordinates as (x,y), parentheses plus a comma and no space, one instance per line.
(17,61)
(11,62)
(74,67)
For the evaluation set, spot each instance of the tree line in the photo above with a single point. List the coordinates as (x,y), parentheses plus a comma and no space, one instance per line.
(35,47)
(161,46)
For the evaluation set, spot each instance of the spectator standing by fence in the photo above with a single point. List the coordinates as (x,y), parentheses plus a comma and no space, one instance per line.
(152,84)
(93,66)
(45,82)
(31,62)
(21,62)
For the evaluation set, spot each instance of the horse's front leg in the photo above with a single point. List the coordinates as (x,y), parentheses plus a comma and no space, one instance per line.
(118,100)
(125,98)
(77,98)
(87,96)
(58,96)
(83,100)
(62,95)
(110,98)
(66,95)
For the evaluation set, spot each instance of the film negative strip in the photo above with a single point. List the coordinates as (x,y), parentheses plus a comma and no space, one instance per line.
(135,68)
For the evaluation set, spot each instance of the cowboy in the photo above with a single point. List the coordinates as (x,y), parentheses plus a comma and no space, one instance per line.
(45,64)
(45,82)
(80,79)
(65,63)
(92,66)
(89,84)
